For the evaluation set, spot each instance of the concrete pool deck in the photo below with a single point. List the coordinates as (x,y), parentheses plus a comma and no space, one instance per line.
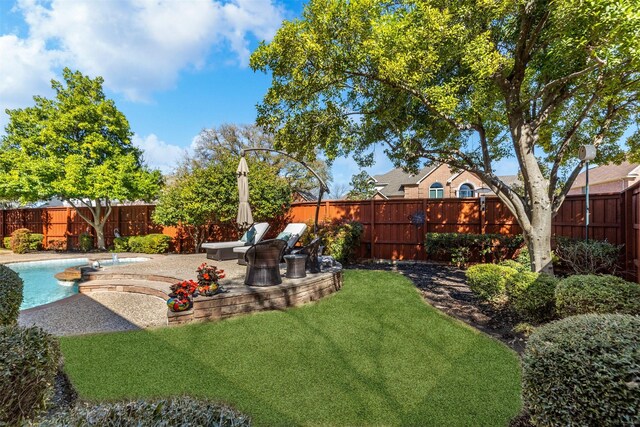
(132,296)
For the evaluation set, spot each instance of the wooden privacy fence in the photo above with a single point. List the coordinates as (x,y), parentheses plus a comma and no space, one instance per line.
(395,229)
(62,223)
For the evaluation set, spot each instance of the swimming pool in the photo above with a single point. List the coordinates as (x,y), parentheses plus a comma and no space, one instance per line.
(40,285)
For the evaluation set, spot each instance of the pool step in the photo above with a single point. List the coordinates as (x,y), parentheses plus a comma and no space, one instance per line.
(137,286)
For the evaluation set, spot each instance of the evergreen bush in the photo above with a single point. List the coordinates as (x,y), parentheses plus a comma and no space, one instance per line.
(489,281)
(29,361)
(121,244)
(149,244)
(532,296)
(11,287)
(35,241)
(177,411)
(582,294)
(21,241)
(583,371)
(85,242)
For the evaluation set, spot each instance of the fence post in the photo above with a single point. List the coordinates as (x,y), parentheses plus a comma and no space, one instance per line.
(373,227)
(423,237)
(482,216)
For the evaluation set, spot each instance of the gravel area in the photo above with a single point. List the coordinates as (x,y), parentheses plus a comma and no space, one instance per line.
(85,314)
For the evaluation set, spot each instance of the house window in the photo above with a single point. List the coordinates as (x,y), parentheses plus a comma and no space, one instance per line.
(436,191)
(466,190)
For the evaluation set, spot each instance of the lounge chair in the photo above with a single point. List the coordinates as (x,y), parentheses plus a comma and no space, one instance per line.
(263,263)
(290,234)
(222,251)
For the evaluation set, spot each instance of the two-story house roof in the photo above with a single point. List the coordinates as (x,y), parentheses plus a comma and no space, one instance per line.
(434,181)
(607,178)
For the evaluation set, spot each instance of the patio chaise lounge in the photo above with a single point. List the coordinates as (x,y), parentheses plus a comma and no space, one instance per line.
(221,251)
(290,234)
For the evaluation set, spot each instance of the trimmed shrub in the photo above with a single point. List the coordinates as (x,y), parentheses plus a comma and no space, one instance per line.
(341,238)
(121,244)
(177,411)
(10,294)
(20,241)
(35,241)
(460,248)
(7,242)
(524,258)
(532,296)
(489,281)
(515,265)
(57,245)
(582,294)
(149,244)
(584,371)
(30,360)
(590,257)
(85,242)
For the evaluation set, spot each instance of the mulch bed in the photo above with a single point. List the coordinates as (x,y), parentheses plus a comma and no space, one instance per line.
(444,287)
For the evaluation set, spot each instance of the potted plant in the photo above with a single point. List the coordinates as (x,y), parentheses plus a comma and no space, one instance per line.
(182,295)
(208,280)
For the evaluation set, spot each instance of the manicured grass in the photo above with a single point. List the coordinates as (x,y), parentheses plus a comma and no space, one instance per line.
(372,354)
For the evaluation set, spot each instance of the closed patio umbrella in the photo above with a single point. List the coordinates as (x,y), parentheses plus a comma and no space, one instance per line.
(245,219)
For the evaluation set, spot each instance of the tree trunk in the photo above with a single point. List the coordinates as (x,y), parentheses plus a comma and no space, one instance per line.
(539,245)
(99,227)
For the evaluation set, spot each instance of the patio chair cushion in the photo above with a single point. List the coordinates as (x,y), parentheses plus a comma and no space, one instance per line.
(250,235)
(284,236)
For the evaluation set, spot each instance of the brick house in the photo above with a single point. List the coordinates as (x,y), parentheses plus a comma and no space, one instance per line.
(607,178)
(435,181)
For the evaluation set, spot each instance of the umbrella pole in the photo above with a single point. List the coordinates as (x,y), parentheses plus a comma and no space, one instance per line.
(315,224)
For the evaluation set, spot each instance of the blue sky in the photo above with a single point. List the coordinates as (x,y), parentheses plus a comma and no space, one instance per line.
(173,67)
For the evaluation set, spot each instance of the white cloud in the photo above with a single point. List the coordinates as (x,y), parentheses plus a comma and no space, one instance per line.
(158,154)
(26,69)
(138,46)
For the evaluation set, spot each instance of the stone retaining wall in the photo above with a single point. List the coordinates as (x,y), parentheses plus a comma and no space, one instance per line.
(293,293)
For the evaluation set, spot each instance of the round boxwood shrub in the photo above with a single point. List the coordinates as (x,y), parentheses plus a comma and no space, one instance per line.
(515,265)
(584,371)
(10,294)
(85,242)
(35,241)
(177,411)
(21,241)
(532,296)
(29,361)
(489,281)
(582,294)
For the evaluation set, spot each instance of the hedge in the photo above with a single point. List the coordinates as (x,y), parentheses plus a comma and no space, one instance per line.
(532,296)
(149,244)
(461,248)
(177,411)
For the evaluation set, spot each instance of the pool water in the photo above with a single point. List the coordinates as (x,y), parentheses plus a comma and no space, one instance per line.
(40,285)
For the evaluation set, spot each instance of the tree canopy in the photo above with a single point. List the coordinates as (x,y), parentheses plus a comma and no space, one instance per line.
(77,147)
(226,140)
(464,82)
(202,195)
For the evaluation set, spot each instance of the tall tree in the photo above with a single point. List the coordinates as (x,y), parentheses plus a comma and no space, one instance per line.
(230,139)
(465,82)
(199,196)
(77,147)
(362,187)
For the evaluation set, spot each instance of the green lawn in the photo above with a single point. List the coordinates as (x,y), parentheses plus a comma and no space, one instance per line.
(372,354)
